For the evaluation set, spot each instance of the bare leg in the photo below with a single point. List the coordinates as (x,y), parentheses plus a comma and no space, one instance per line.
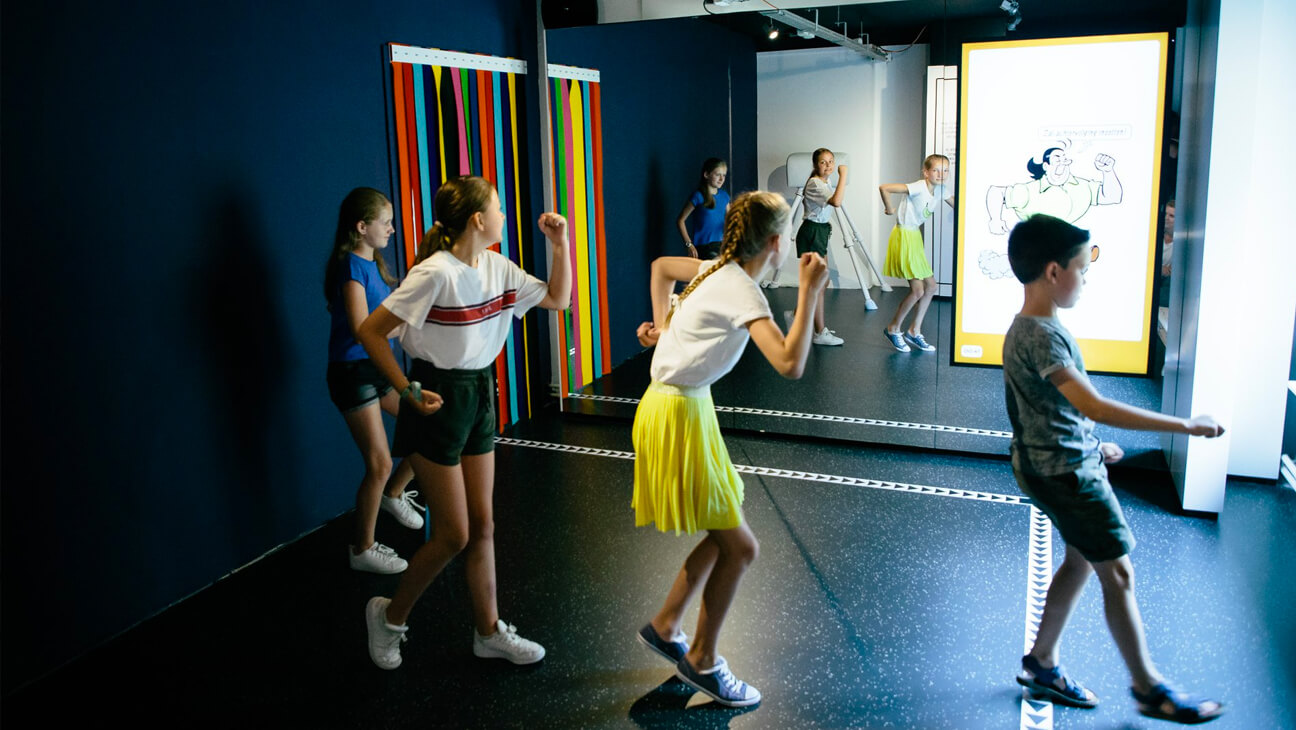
(696,570)
(916,291)
(367,430)
(479,486)
(736,549)
(929,292)
(404,472)
(1124,620)
(819,324)
(1063,595)
(448,509)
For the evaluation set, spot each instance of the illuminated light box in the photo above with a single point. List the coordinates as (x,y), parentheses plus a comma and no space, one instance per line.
(1070,127)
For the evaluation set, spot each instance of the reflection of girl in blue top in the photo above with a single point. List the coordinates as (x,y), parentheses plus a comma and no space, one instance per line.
(356,281)
(701,223)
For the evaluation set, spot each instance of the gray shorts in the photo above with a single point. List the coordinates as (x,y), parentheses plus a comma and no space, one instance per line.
(1084,508)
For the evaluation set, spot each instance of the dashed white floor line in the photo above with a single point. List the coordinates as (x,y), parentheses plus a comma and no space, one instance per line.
(1037,714)
(851,420)
(806,476)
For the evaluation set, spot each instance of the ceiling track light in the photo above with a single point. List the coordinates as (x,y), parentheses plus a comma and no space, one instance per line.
(800,23)
(773,31)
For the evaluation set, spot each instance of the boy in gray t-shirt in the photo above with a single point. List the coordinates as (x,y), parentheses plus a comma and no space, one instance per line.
(1060,465)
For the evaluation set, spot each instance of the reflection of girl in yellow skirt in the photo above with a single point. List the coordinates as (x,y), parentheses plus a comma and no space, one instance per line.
(684,481)
(905,257)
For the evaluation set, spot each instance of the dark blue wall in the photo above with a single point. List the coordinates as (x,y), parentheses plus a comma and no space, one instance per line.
(665,102)
(171,175)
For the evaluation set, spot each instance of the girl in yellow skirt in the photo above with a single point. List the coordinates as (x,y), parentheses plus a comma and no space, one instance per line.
(684,480)
(905,258)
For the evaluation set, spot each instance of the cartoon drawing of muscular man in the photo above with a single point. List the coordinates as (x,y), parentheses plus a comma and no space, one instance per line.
(1052,190)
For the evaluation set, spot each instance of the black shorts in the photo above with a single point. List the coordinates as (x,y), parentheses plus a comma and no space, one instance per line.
(354,384)
(464,425)
(708,250)
(812,236)
(1083,508)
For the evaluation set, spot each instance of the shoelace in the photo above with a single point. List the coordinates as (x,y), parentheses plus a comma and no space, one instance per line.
(408,498)
(732,684)
(383,549)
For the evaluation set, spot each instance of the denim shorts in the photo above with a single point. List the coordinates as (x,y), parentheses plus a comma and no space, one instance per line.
(354,384)
(1084,509)
(464,425)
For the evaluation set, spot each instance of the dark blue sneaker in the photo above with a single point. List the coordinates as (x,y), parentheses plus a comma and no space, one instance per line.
(718,683)
(671,651)
(896,340)
(919,342)
(1052,683)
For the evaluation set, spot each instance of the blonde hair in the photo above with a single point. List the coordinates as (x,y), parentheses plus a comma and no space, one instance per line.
(752,218)
(457,200)
(931,161)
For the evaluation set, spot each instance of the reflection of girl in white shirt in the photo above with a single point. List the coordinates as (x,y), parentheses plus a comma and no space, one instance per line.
(905,256)
(815,230)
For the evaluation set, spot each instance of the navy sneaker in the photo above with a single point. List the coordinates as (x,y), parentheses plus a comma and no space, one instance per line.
(671,651)
(718,683)
(919,342)
(1053,683)
(896,340)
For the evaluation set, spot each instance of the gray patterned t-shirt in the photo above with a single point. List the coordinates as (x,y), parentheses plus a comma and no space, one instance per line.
(1050,436)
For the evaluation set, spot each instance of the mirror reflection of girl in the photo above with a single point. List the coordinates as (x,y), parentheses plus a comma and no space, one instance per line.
(701,222)
(905,256)
(812,237)
(356,281)
(453,312)
(684,480)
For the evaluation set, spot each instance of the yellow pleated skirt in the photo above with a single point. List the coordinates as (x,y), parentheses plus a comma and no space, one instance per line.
(683,479)
(905,257)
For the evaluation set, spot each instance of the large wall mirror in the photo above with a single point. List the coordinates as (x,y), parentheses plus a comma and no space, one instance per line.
(682,81)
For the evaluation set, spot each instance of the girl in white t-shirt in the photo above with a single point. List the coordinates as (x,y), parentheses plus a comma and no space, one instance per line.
(684,480)
(905,257)
(453,311)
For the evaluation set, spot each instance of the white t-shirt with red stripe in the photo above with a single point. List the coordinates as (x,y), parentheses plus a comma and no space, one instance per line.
(456,315)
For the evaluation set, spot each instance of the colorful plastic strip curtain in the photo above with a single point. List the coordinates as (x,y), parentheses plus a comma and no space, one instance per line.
(574,114)
(464,114)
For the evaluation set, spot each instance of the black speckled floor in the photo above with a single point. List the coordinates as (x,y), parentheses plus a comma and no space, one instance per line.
(870,606)
(866,379)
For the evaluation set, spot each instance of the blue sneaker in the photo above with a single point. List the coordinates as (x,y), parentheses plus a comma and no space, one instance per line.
(1053,684)
(718,683)
(896,340)
(919,342)
(671,651)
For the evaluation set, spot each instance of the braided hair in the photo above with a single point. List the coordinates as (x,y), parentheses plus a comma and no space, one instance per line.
(753,217)
(457,200)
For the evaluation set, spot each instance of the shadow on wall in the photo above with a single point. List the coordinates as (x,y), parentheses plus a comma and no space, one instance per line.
(244,373)
(656,211)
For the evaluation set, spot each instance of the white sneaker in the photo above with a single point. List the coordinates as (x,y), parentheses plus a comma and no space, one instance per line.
(377,559)
(384,639)
(405,509)
(506,644)
(826,337)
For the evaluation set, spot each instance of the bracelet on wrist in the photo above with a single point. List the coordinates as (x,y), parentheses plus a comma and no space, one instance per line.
(415,388)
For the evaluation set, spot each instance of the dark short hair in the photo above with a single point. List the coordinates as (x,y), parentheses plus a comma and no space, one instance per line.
(1040,239)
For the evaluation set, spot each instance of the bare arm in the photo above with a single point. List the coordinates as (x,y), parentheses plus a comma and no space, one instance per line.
(372,334)
(357,307)
(554,228)
(1079,392)
(667,270)
(889,189)
(682,224)
(788,354)
(836,199)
